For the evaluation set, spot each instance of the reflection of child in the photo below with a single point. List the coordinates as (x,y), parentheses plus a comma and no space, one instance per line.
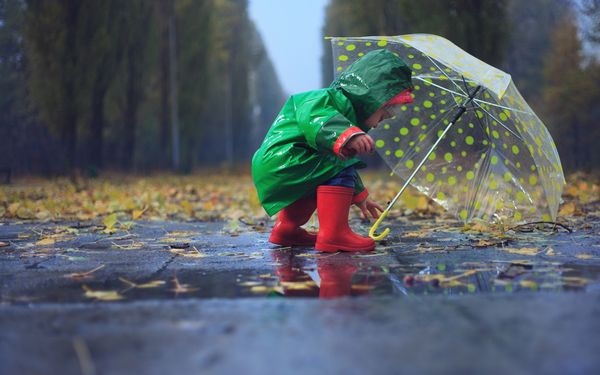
(311,147)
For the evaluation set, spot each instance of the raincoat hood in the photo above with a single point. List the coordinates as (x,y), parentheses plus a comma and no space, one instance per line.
(372,80)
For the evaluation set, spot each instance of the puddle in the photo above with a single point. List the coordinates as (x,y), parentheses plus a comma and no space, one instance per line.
(183,261)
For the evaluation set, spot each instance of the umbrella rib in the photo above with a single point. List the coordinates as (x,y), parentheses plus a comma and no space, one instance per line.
(439,87)
(444,73)
(500,122)
(501,106)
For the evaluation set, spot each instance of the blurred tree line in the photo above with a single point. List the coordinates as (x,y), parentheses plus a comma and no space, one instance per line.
(539,42)
(131,85)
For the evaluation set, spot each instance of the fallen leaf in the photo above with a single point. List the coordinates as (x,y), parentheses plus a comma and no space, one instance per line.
(4,244)
(182,288)
(522,250)
(109,222)
(102,295)
(46,241)
(84,275)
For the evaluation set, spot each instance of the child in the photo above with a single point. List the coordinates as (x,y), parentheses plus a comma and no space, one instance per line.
(311,148)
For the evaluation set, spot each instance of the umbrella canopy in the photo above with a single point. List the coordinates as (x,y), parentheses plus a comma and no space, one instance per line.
(496,162)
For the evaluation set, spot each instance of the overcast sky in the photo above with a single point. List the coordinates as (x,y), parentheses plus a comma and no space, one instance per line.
(291,31)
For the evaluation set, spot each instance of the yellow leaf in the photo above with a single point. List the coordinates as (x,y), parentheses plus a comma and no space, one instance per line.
(46,241)
(522,250)
(136,214)
(110,221)
(4,244)
(102,295)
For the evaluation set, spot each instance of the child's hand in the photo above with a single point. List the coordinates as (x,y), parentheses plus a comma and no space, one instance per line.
(360,144)
(368,206)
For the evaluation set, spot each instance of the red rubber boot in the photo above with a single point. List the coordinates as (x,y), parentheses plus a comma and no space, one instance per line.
(287,231)
(333,204)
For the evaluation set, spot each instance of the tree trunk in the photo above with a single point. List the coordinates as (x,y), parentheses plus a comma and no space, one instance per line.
(175,151)
(131,108)
(165,83)
(97,126)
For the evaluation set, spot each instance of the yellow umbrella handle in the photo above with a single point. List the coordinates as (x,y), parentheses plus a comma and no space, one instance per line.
(379,237)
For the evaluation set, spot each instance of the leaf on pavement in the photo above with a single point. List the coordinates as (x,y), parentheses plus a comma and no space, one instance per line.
(109,222)
(522,250)
(102,295)
(84,275)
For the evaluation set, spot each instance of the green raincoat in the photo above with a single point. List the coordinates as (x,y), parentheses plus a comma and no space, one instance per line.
(303,148)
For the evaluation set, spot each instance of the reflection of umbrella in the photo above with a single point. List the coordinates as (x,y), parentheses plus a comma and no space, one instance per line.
(469,140)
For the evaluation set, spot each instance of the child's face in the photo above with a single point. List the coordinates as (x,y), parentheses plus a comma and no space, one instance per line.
(378,116)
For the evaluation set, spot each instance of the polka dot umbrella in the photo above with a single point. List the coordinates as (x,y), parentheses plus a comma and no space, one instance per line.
(469,140)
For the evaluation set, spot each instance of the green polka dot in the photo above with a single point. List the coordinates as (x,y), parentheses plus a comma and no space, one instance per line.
(460,131)
(533,168)
(448,157)
(463,214)
(518,216)
(350,47)
(469,140)
(432,156)
(533,179)
(368,44)
(343,58)
(388,152)
(386,126)
(340,43)
(403,131)
(441,196)
(463,153)
(379,143)
(479,113)
(396,139)
(399,153)
(360,54)
(503,116)
(431,94)
(409,164)
(417,66)
(414,121)
(507,176)
(470,175)
(499,205)
(494,160)
(433,116)
(411,56)
(493,184)
(515,150)
(459,168)
(430,177)
(427,104)
(451,180)
(382,43)
(495,134)
(339,68)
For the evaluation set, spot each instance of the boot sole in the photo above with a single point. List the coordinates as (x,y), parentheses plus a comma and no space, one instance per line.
(332,248)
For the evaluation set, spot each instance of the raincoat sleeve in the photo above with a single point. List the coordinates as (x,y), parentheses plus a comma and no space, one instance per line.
(324,127)
(360,192)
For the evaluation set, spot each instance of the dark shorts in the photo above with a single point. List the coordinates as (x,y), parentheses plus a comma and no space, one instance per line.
(346,178)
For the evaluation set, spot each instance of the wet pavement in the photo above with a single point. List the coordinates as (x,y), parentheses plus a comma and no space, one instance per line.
(173,297)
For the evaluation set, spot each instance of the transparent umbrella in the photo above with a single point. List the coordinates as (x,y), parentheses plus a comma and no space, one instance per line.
(469,140)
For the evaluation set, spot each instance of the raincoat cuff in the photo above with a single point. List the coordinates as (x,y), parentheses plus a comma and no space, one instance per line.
(344,138)
(360,196)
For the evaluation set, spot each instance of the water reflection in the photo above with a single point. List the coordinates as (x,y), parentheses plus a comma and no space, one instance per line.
(342,274)
(333,276)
